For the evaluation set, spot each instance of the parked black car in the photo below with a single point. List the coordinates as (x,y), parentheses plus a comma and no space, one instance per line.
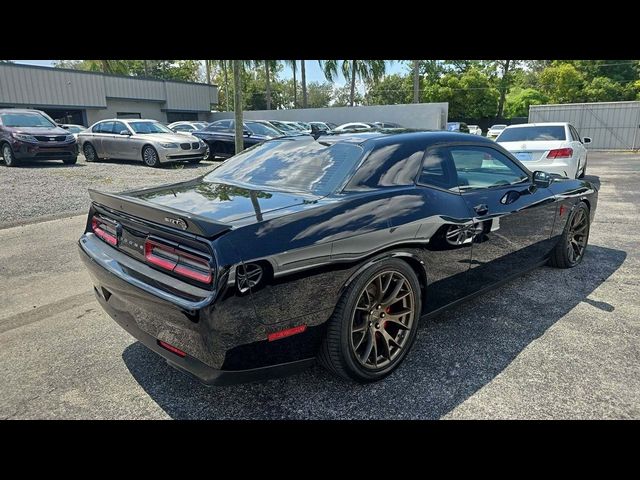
(33,135)
(332,249)
(220,136)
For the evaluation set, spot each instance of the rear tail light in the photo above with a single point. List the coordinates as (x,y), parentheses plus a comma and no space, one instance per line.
(560,153)
(104,230)
(178,261)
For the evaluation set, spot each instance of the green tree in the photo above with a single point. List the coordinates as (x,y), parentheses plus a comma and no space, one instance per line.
(238,106)
(319,94)
(303,75)
(562,83)
(370,71)
(294,67)
(519,100)
(342,97)
(604,89)
(470,95)
(391,90)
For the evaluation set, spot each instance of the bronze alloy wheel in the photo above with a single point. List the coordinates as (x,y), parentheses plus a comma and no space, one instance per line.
(382,320)
(577,236)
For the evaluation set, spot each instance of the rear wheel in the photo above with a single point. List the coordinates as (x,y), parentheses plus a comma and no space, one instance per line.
(90,154)
(9,157)
(374,323)
(150,156)
(569,251)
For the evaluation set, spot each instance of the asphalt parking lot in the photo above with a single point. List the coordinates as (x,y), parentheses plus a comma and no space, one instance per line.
(553,344)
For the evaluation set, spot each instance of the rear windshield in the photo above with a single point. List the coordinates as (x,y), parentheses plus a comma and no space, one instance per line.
(25,120)
(530,134)
(294,164)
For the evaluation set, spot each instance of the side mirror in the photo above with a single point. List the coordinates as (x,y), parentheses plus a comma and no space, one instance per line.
(541,179)
(586,140)
(125,132)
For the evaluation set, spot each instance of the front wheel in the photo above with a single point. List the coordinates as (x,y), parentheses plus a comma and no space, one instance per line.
(570,249)
(150,156)
(374,323)
(70,160)
(9,157)
(90,154)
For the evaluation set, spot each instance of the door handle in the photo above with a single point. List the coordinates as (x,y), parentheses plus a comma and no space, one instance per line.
(481,209)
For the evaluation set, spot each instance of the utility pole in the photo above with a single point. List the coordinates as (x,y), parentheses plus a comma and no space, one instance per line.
(237,104)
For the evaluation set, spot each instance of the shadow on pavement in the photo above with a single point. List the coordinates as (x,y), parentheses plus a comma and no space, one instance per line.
(454,355)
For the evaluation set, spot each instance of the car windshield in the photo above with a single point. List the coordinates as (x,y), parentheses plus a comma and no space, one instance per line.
(284,126)
(262,129)
(30,119)
(293,164)
(149,127)
(530,134)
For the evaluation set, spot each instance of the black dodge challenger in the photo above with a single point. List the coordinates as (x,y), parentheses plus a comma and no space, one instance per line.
(333,249)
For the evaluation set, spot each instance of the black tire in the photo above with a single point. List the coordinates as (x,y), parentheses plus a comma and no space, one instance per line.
(584,169)
(562,256)
(217,149)
(9,157)
(339,354)
(70,160)
(90,154)
(150,156)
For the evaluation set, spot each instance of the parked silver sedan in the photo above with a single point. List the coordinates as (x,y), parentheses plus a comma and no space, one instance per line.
(137,139)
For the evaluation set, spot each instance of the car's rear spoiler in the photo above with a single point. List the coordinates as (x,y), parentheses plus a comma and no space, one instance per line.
(158,214)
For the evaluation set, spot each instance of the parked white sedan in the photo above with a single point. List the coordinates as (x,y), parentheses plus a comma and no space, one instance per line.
(551,147)
(475,129)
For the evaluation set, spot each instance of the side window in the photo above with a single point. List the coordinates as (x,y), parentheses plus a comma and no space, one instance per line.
(388,166)
(107,127)
(484,167)
(97,128)
(574,134)
(438,171)
(118,127)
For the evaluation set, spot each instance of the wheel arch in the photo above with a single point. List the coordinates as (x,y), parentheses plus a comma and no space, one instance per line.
(413,260)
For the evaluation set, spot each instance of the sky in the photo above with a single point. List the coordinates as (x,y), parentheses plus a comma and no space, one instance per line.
(313,71)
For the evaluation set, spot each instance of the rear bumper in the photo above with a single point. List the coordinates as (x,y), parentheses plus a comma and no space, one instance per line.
(194,367)
(224,342)
(565,167)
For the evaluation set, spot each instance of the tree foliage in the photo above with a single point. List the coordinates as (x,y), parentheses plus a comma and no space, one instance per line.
(519,100)
(475,89)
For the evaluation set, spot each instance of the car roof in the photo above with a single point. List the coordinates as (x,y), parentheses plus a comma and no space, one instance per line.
(540,124)
(127,120)
(20,110)
(394,135)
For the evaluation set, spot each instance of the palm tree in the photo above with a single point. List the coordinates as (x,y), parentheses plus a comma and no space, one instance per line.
(367,70)
(237,104)
(304,84)
(416,81)
(294,66)
(268,66)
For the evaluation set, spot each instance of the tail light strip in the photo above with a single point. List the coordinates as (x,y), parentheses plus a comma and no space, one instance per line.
(560,153)
(104,230)
(178,261)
